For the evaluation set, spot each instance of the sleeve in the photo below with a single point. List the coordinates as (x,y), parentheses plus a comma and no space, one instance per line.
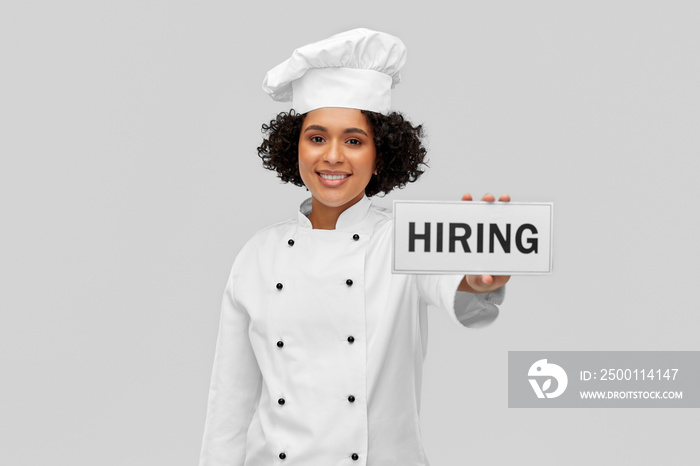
(473,310)
(235,387)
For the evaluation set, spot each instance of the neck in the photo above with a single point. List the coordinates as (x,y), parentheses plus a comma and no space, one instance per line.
(325,217)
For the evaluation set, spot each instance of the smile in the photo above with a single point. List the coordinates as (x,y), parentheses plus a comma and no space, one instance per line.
(332,177)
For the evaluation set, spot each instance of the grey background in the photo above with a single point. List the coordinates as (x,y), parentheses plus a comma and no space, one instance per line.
(130,180)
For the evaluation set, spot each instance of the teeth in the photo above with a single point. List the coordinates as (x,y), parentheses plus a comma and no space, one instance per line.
(333,177)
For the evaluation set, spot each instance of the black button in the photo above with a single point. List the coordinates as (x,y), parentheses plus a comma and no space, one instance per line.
(351,399)
(355,456)
(280,344)
(279,286)
(290,242)
(282,456)
(356,237)
(281,401)
(348,282)
(351,339)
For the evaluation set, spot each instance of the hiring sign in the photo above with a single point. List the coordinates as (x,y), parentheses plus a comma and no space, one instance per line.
(496,238)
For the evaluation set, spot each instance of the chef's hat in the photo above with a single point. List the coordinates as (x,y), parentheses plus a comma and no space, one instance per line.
(353,69)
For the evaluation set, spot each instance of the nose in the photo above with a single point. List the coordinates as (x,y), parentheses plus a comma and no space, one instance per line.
(334,154)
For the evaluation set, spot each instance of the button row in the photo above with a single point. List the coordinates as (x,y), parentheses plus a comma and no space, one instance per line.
(282,401)
(348,282)
(354,456)
(351,340)
(356,237)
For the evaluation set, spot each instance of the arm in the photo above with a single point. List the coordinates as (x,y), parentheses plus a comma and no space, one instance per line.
(235,387)
(467,309)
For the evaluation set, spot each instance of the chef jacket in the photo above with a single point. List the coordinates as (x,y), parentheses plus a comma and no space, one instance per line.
(320,348)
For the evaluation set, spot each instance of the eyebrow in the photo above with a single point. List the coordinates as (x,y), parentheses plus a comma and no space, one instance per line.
(324,129)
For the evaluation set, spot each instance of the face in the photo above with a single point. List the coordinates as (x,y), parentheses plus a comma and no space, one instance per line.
(337,156)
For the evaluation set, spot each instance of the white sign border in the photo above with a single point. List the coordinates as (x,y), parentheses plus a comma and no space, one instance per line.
(471,272)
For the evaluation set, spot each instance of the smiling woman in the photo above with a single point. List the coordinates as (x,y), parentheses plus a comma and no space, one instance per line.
(399,151)
(320,347)
(337,158)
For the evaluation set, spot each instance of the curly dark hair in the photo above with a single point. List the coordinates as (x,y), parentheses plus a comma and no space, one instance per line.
(400,151)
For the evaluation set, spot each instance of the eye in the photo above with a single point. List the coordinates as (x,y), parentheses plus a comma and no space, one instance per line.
(317,139)
(354,141)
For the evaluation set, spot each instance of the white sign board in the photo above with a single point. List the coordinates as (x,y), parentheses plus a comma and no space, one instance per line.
(496,238)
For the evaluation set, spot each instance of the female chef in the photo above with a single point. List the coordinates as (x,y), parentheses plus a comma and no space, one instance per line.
(320,348)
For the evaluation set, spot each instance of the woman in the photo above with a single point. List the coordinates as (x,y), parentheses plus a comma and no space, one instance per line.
(320,347)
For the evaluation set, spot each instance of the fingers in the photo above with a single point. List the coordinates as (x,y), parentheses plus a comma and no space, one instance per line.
(488,197)
(480,282)
(486,280)
(486,283)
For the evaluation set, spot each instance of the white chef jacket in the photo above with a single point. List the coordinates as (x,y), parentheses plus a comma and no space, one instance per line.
(320,347)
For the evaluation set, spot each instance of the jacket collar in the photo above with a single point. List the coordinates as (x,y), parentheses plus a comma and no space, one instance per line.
(349,218)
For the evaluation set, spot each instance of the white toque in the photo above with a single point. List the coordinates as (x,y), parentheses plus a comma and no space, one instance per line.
(353,69)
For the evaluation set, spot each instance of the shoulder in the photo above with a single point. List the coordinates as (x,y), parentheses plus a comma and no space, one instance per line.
(381,211)
(264,241)
(382,218)
(382,224)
